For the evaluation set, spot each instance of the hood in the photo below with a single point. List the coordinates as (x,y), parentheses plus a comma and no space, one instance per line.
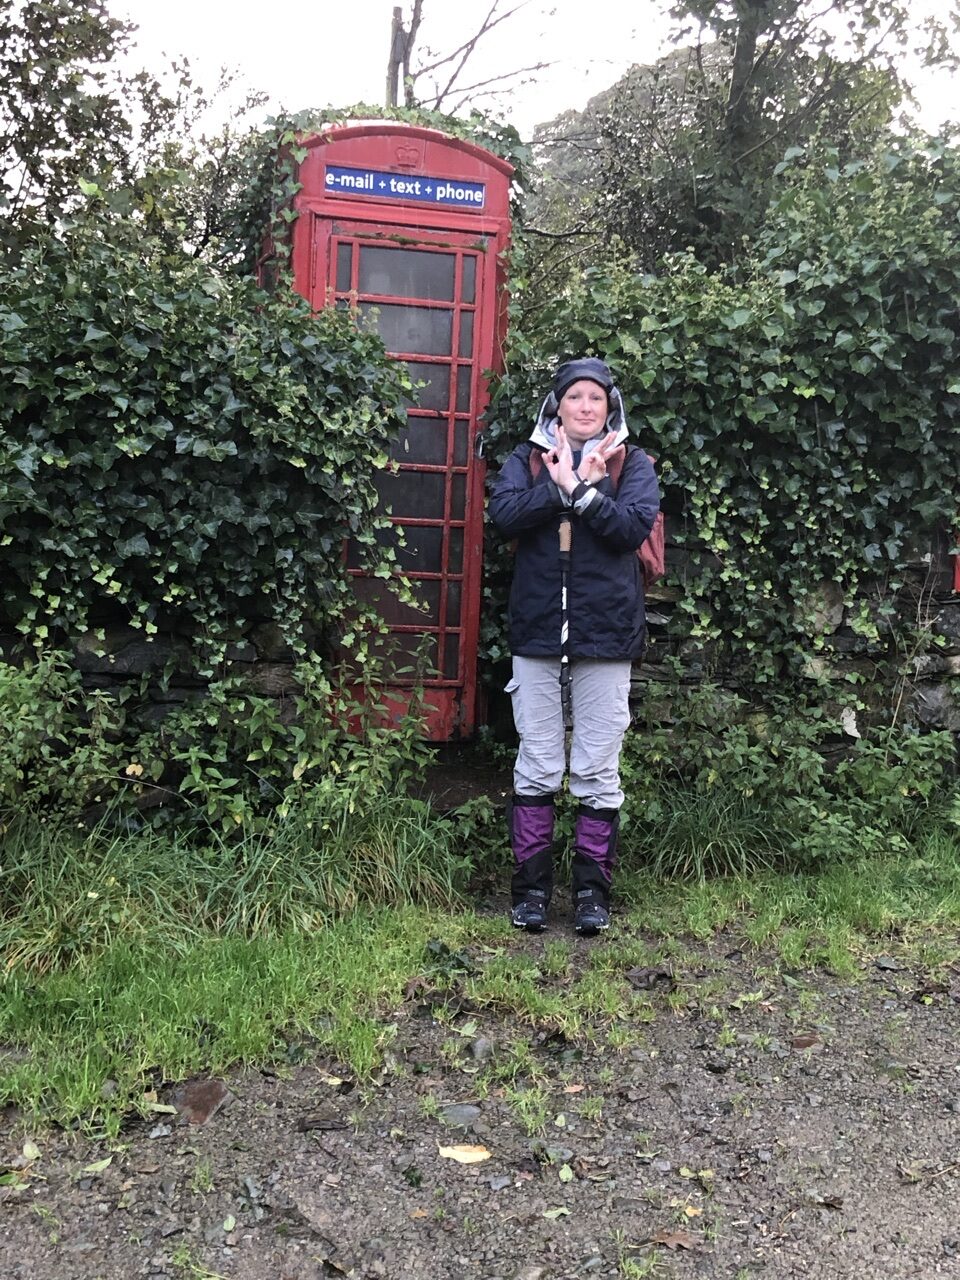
(545,431)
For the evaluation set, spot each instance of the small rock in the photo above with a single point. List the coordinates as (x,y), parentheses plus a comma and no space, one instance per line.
(498,1182)
(764,1156)
(459,1115)
(558,1155)
(160,1131)
(482,1049)
(108,1089)
(661,1165)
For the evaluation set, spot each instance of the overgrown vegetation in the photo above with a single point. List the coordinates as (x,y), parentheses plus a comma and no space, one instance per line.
(802,406)
(179,451)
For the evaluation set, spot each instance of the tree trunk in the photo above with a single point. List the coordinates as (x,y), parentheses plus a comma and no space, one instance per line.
(398,54)
(739,112)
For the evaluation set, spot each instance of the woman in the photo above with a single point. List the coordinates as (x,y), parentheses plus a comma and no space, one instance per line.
(577,467)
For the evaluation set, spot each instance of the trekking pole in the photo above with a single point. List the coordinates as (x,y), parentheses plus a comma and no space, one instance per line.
(566,692)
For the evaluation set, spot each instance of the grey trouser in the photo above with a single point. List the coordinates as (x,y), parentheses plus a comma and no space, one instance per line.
(600,718)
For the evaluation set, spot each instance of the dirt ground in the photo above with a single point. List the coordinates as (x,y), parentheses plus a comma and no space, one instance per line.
(763,1123)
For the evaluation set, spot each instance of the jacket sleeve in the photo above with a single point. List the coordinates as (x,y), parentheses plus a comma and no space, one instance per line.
(625,520)
(516,503)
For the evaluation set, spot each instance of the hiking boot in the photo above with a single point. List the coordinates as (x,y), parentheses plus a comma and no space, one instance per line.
(531,913)
(594,854)
(530,821)
(590,916)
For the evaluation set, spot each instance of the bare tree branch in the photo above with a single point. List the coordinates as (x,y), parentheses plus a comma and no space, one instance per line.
(470,44)
(507,75)
(408,45)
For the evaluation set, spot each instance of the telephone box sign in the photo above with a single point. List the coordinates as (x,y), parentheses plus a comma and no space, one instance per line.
(398,186)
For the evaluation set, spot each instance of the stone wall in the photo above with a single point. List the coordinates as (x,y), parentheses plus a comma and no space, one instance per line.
(917,678)
(910,669)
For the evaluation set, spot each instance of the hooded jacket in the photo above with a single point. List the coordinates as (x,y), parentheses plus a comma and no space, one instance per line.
(605,586)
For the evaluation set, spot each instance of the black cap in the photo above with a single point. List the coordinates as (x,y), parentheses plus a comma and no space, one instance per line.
(572,371)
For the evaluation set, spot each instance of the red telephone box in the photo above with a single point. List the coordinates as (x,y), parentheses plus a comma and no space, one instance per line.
(409,225)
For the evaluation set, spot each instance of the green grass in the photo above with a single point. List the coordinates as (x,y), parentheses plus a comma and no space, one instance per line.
(136,1015)
(717,832)
(67,894)
(143,959)
(811,917)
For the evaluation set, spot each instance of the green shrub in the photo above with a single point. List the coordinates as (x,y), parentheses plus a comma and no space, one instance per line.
(180,451)
(802,404)
(723,786)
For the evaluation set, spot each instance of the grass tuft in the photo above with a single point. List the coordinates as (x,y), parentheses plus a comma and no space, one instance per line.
(67,894)
(699,836)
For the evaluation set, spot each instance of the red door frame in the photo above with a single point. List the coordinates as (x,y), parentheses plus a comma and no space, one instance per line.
(327,219)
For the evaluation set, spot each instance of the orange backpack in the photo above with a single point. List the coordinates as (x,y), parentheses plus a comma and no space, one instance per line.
(651,553)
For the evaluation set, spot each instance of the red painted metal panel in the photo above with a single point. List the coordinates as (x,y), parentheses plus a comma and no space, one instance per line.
(415,215)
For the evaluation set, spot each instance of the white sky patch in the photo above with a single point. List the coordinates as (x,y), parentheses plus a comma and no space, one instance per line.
(317,53)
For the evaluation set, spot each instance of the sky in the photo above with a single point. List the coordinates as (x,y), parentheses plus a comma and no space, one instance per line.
(317,53)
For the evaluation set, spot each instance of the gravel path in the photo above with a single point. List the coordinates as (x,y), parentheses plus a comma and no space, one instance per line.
(761,1123)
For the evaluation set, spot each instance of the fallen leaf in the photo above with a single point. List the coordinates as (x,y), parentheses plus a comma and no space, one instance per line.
(229,1223)
(554,1214)
(651,979)
(575,1088)
(31,1151)
(321,1119)
(746,998)
(333,1081)
(198,1101)
(98,1166)
(464,1154)
(566,1174)
(807,1040)
(419,1213)
(162,1107)
(560,1121)
(414,987)
(674,1240)
(692,1210)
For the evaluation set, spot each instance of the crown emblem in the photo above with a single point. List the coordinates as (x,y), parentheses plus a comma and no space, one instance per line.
(408,156)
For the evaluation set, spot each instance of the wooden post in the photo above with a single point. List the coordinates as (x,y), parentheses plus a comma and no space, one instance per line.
(397,49)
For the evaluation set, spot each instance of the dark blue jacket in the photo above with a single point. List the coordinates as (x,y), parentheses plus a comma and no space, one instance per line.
(605,591)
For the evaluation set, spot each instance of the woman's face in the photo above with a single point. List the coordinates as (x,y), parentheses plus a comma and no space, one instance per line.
(583,411)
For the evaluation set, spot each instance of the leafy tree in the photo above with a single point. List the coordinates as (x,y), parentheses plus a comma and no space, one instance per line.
(682,153)
(74,125)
